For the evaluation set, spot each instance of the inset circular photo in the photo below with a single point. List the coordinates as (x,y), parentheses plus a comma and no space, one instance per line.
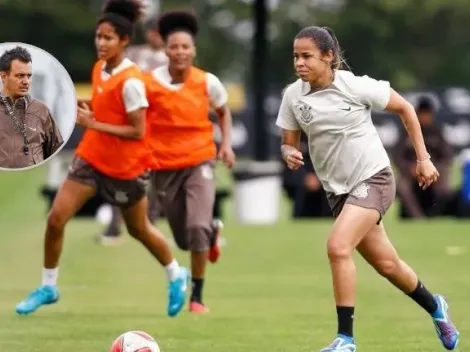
(38,106)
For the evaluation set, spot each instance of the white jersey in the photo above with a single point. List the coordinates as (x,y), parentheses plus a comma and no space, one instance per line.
(344,145)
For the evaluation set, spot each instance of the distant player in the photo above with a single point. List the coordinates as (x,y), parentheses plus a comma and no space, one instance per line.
(148,57)
(180,97)
(333,107)
(112,158)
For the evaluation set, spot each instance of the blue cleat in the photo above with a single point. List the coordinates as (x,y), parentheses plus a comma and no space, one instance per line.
(177,292)
(39,297)
(342,343)
(446,330)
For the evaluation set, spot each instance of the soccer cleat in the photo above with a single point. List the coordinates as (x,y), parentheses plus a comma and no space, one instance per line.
(446,330)
(342,343)
(214,251)
(177,292)
(42,296)
(198,308)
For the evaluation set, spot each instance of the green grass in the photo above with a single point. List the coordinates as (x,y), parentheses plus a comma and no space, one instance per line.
(270,292)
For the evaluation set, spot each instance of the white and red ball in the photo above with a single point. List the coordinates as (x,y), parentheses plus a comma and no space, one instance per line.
(135,341)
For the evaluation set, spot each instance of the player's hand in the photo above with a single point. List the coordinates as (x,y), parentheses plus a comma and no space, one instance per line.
(293,158)
(227,155)
(84,116)
(426,173)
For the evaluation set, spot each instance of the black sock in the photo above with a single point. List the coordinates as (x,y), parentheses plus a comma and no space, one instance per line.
(424,298)
(213,236)
(345,320)
(196,295)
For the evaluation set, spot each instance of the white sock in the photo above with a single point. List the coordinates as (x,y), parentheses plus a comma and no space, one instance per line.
(173,270)
(49,276)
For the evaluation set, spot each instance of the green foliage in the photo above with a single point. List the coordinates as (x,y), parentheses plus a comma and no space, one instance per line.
(411,43)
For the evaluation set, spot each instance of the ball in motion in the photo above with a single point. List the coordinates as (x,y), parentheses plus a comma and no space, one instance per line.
(135,341)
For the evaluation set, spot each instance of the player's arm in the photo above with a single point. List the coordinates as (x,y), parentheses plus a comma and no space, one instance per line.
(290,144)
(399,105)
(224,117)
(218,99)
(134,130)
(136,104)
(382,96)
(291,132)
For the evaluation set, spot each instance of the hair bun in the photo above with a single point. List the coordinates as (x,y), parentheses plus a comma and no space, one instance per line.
(177,20)
(129,9)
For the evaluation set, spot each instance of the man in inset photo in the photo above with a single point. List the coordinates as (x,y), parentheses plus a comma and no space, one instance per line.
(28,133)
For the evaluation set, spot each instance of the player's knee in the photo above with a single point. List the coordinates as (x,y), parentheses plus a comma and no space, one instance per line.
(55,221)
(199,238)
(387,267)
(338,250)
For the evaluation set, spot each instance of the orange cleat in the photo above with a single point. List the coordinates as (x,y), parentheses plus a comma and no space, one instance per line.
(214,252)
(198,308)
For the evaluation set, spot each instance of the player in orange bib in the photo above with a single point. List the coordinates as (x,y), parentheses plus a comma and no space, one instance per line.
(113,158)
(180,97)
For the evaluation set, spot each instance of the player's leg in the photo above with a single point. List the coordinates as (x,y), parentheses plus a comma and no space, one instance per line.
(112,234)
(200,197)
(217,226)
(214,251)
(77,189)
(363,209)
(174,201)
(379,252)
(139,227)
(154,204)
(352,224)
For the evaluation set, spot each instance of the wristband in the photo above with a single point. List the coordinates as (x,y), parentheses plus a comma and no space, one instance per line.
(424,160)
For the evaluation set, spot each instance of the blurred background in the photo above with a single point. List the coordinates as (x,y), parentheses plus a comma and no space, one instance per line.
(422,47)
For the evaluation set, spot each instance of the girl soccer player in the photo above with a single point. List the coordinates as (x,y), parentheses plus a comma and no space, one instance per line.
(112,158)
(333,107)
(180,97)
(148,57)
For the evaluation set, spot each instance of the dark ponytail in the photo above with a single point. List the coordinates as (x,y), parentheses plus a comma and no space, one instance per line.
(337,63)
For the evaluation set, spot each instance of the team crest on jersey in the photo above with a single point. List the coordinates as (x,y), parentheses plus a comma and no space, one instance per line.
(361,191)
(306,115)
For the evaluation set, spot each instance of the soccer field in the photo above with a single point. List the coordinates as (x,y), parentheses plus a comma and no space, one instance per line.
(270,292)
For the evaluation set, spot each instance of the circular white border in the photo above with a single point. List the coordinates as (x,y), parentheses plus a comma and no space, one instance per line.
(68,134)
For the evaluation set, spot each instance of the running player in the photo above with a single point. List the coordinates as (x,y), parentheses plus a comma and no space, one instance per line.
(148,57)
(333,107)
(112,159)
(180,97)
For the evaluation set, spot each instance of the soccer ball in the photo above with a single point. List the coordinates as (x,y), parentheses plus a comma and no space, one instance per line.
(135,341)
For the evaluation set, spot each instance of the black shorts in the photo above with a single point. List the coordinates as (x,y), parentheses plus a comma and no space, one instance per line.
(121,193)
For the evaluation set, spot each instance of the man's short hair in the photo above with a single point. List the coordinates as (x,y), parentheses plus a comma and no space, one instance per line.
(17,53)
